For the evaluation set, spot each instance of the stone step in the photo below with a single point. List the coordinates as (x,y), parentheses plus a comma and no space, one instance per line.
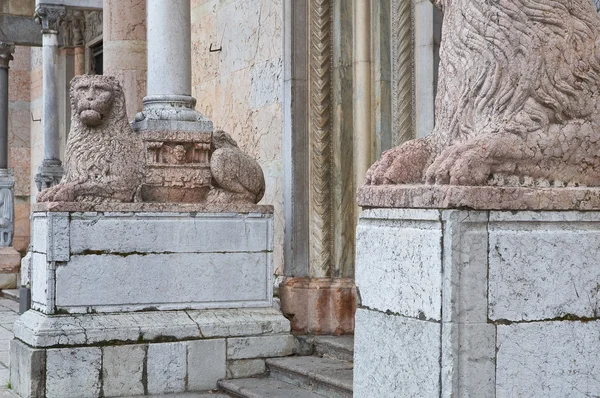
(265,387)
(325,376)
(11,294)
(336,347)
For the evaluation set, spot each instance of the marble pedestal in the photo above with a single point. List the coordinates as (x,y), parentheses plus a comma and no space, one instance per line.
(134,299)
(459,303)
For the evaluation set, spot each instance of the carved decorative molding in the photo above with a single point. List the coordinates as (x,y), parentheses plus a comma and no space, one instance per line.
(402,71)
(73,29)
(49,16)
(93,24)
(320,116)
(7,210)
(6,54)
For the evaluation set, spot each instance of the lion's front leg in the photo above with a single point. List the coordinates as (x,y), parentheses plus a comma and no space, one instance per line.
(63,192)
(475,161)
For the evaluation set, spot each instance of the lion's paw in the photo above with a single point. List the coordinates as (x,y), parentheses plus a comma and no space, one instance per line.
(401,165)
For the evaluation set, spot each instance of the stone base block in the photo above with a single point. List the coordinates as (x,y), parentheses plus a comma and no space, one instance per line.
(319,305)
(477,303)
(145,257)
(128,354)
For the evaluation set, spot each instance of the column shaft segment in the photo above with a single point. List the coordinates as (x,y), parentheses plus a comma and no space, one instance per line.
(169,47)
(6,51)
(50,171)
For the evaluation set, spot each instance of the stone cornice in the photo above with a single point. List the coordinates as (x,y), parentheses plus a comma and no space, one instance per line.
(49,16)
(6,51)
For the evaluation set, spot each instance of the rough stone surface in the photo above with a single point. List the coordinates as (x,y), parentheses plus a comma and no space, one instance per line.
(10,260)
(27,370)
(166,368)
(229,267)
(566,364)
(544,266)
(122,370)
(507,120)
(239,368)
(206,364)
(193,280)
(39,330)
(398,262)
(243,208)
(103,156)
(395,356)
(479,198)
(319,305)
(73,372)
(260,347)
(518,302)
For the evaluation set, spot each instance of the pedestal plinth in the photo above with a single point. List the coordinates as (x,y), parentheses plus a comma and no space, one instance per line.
(145,298)
(478,302)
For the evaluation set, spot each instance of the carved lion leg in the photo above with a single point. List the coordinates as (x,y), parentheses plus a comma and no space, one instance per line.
(404,164)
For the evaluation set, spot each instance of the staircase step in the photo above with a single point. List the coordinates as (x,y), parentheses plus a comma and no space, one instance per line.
(264,387)
(326,376)
(11,294)
(336,347)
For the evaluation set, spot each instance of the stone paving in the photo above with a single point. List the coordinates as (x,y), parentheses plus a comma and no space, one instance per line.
(8,315)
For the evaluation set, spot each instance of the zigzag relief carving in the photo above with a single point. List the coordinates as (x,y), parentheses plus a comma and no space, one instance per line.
(402,71)
(320,116)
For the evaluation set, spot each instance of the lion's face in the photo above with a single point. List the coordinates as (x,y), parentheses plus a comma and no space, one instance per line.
(93,101)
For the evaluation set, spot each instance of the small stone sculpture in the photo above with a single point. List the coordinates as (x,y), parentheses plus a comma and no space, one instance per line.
(518,99)
(103,155)
(6,217)
(236,176)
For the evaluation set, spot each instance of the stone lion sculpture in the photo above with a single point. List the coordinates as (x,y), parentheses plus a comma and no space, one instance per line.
(103,159)
(518,99)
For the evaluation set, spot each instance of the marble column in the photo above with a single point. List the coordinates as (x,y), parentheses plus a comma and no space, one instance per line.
(362,92)
(169,105)
(50,171)
(9,257)
(124,46)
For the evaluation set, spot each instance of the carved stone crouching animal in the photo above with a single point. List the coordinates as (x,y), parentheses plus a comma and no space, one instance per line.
(103,158)
(236,176)
(518,99)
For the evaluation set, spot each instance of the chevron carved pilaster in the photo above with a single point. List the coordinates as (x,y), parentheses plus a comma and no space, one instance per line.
(320,120)
(402,71)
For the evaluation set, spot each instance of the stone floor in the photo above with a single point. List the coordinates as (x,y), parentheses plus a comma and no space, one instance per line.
(8,315)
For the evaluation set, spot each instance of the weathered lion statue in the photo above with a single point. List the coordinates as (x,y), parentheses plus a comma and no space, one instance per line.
(518,99)
(103,159)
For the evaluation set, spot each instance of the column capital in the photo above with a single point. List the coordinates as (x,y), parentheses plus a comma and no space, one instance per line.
(6,53)
(49,16)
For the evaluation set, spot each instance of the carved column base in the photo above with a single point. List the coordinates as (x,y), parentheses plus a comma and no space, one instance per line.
(171,113)
(319,305)
(49,174)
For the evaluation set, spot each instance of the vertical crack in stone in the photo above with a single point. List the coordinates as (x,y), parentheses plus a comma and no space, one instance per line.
(320,55)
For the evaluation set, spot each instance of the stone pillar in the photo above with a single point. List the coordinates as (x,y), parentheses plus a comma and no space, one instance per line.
(362,92)
(169,105)
(50,171)
(9,257)
(124,44)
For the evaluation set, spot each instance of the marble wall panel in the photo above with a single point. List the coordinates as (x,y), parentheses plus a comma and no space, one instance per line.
(22,234)
(240,87)
(19,160)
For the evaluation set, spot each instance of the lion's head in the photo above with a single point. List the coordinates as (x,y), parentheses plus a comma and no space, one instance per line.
(95,99)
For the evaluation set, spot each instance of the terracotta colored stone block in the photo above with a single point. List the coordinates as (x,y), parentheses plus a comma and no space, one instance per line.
(21,7)
(22,59)
(10,260)
(131,17)
(36,84)
(19,160)
(18,85)
(319,305)
(19,125)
